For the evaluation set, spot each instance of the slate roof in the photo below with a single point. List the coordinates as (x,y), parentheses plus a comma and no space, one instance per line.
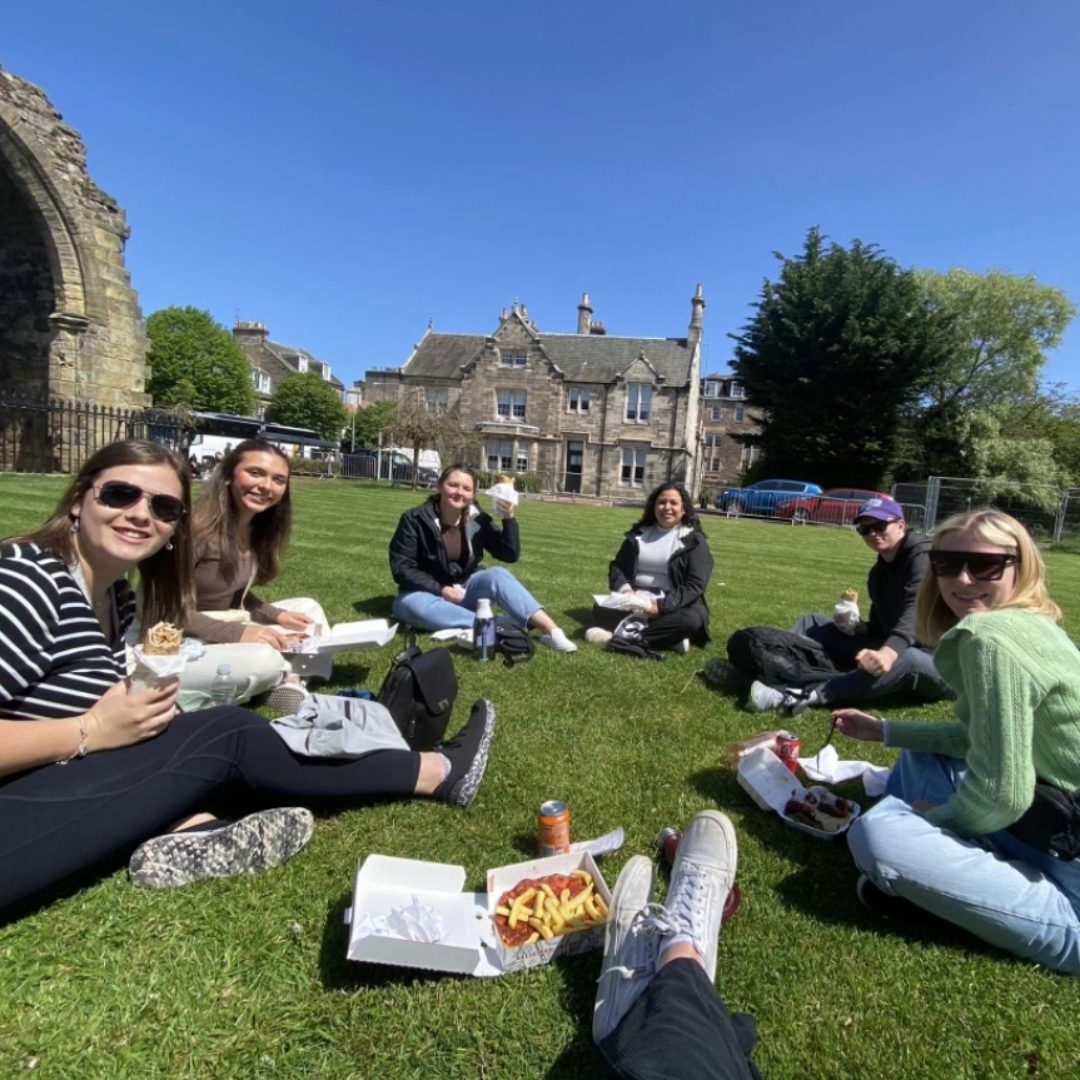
(581,357)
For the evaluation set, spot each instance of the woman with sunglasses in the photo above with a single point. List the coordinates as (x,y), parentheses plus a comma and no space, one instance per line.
(93,772)
(883,655)
(241,527)
(961,831)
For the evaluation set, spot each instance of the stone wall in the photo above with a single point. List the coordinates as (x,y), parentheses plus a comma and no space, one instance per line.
(70,324)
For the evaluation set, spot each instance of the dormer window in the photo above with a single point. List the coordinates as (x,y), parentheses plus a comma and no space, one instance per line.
(301,364)
(737,390)
(513,358)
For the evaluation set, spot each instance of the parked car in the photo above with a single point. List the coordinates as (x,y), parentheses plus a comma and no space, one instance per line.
(837,506)
(364,464)
(763,497)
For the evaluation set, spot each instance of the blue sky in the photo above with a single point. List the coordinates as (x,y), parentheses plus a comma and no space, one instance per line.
(345,171)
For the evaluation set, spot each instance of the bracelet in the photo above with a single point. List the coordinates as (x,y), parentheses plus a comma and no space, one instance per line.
(81,751)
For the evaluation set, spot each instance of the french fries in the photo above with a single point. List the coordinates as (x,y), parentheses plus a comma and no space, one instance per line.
(549,907)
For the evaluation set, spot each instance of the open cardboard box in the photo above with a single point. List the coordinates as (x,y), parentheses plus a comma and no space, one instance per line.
(470,944)
(767,780)
(312,655)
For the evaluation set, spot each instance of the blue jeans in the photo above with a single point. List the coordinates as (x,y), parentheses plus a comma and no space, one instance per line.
(1012,895)
(913,673)
(430,612)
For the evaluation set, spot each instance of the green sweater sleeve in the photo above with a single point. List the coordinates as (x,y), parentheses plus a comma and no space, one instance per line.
(997,703)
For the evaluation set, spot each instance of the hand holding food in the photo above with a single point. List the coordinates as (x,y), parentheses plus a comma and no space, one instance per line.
(856,724)
(120,719)
(293,620)
(254,634)
(548,907)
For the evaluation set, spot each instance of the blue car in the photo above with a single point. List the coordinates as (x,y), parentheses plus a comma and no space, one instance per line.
(761,499)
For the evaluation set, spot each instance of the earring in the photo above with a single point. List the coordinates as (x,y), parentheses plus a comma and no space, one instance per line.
(75,525)
(168,545)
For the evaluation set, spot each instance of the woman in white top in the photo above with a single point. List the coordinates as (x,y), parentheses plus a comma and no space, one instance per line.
(666,555)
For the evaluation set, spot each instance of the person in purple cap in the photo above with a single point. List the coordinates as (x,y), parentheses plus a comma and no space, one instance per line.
(881,656)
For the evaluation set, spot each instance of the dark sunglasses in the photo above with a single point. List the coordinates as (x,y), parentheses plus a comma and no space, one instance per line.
(876,526)
(981,566)
(119,495)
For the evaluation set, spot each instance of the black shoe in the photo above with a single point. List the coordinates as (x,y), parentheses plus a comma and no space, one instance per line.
(884,904)
(467,754)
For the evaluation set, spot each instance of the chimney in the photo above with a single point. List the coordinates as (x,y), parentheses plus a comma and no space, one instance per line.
(584,314)
(250,331)
(697,306)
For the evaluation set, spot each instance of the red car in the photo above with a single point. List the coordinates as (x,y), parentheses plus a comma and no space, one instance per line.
(837,506)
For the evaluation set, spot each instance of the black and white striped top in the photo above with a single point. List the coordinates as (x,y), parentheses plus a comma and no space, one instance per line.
(55,660)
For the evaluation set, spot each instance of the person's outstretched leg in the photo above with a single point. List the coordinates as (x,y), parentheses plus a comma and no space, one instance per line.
(502,588)
(430,612)
(657,1014)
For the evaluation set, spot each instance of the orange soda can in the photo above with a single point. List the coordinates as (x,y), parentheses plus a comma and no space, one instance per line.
(553,828)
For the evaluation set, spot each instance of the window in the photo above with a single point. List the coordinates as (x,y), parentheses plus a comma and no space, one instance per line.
(751,452)
(577,401)
(718,412)
(522,459)
(438,402)
(260,380)
(638,403)
(514,358)
(712,452)
(500,455)
(510,404)
(740,411)
(737,390)
(325,371)
(301,364)
(632,473)
(712,388)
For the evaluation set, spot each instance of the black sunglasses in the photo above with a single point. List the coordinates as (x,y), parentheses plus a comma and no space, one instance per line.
(119,495)
(981,565)
(876,526)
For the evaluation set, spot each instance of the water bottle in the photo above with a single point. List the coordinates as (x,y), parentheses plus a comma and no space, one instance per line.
(223,689)
(484,630)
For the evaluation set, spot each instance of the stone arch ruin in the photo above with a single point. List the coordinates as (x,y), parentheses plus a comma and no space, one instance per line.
(70,324)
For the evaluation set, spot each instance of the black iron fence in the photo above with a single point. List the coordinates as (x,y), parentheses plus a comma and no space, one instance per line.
(58,435)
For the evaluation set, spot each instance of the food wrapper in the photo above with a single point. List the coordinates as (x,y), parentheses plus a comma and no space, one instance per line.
(627,600)
(846,613)
(154,670)
(414,922)
(503,492)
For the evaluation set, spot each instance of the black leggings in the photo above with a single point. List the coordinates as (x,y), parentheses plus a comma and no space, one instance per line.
(64,825)
(666,630)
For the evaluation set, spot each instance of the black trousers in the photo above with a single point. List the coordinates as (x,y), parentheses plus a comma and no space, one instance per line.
(64,825)
(666,630)
(679,1030)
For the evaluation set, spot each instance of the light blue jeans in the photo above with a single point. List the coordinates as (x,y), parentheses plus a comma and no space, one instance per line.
(1001,890)
(429,612)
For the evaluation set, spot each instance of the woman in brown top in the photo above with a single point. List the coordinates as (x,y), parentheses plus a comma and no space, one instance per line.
(241,526)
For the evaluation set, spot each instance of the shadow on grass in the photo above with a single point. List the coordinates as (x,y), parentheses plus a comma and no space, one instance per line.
(351,675)
(578,995)
(375,607)
(583,616)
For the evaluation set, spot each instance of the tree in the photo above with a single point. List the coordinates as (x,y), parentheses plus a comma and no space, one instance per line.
(1004,324)
(194,361)
(416,426)
(309,401)
(837,352)
(367,424)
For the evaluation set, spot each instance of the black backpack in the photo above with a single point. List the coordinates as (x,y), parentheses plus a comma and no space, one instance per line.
(779,658)
(512,643)
(419,691)
(627,639)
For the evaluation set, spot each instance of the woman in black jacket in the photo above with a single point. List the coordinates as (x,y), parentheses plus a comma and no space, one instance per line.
(435,556)
(666,555)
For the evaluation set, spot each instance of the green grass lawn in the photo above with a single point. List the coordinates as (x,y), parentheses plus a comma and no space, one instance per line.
(248,978)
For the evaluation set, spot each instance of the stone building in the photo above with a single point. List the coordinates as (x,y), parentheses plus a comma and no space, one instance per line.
(728,446)
(271,361)
(587,413)
(70,324)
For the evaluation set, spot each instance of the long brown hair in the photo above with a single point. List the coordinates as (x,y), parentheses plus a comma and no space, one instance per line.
(934,618)
(166,579)
(215,525)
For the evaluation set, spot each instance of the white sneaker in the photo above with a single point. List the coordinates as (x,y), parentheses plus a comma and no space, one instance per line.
(629,961)
(597,635)
(287,698)
(683,647)
(764,698)
(558,641)
(701,878)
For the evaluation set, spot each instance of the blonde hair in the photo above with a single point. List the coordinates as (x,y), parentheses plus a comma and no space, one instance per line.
(934,618)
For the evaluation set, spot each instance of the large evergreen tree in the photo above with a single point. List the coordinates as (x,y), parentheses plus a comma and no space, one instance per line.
(838,350)
(194,361)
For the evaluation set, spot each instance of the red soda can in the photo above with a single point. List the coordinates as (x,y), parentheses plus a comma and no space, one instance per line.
(553,828)
(787,750)
(666,844)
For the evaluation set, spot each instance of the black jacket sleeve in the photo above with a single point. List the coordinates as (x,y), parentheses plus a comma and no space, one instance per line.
(405,558)
(699,568)
(892,598)
(621,568)
(503,544)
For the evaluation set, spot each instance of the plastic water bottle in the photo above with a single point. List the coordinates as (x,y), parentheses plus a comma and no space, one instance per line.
(484,630)
(223,689)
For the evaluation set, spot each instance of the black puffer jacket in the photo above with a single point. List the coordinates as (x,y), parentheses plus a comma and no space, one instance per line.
(893,587)
(418,556)
(689,569)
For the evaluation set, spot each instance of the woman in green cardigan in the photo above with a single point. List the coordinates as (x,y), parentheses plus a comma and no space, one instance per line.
(962,831)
